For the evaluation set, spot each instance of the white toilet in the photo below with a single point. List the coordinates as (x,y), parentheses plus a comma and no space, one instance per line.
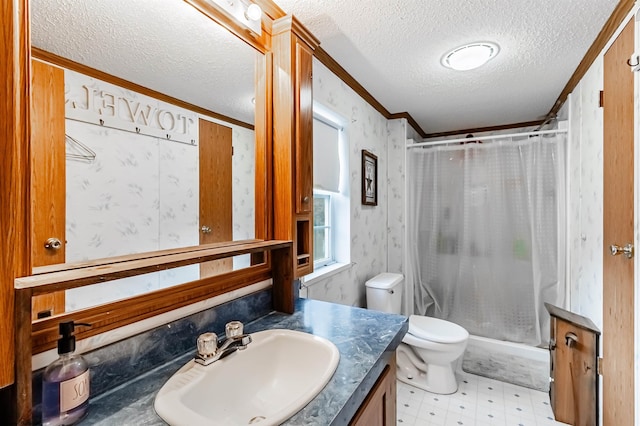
(430,348)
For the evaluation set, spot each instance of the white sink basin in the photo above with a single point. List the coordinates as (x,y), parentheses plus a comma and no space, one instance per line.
(265,384)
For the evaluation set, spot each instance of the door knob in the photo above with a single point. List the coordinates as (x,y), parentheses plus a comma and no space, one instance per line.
(626,250)
(205,229)
(53,244)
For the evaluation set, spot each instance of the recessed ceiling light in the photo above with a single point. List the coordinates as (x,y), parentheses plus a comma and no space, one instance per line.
(470,56)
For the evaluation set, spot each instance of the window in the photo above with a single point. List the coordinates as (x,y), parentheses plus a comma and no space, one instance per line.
(322,235)
(326,183)
(331,236)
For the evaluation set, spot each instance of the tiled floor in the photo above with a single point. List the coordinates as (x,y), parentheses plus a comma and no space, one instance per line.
(479,401)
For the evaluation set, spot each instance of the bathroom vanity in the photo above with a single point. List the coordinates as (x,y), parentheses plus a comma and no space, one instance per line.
(361,391)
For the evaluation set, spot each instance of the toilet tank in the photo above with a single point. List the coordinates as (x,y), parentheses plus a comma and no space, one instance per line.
(384,292)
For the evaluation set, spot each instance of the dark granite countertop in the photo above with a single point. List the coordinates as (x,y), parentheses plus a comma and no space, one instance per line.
(366,339)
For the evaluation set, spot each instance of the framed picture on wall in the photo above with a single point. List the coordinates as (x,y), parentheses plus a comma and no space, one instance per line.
(369,179)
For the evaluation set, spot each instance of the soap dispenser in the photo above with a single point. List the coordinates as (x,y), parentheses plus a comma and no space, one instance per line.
(65,383)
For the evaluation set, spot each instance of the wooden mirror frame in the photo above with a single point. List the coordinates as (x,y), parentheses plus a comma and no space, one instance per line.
(15,221)
(117,314)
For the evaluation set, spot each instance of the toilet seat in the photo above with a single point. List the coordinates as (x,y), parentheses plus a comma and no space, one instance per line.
(436,330)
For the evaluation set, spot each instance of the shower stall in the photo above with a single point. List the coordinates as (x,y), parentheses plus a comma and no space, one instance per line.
(486,234)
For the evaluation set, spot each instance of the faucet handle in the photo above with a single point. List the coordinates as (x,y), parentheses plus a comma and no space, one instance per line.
(207,344)
(233,329)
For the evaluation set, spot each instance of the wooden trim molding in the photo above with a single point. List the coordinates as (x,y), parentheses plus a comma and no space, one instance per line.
(59,61)
(410,120)
(15,211)
(485,129)
(328,61)
(291,23)
(350,81)
(333,66)
(15,260)
(617,17)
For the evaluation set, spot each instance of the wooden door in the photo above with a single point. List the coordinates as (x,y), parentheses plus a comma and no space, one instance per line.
(48,177)
(618,271)
(216,210)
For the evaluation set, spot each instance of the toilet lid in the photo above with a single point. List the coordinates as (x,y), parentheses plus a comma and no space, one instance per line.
(436,330)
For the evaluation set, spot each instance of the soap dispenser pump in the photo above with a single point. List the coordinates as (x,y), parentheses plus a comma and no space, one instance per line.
(65,383)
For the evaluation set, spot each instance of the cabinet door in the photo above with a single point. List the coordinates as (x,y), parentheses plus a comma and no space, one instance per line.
(574,396)
(304,129)
(379,408)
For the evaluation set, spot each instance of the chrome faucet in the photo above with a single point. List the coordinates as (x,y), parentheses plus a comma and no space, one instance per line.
(208,350)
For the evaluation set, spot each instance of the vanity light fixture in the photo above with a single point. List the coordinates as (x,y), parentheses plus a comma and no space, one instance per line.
(254,12)
(247,13)
(470,56)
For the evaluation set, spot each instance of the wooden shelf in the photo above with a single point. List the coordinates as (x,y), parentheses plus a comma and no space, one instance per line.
(72,275)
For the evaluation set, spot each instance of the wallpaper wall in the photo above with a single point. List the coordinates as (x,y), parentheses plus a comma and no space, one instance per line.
(586,195)
(140,194)
(371,229)
(397,131)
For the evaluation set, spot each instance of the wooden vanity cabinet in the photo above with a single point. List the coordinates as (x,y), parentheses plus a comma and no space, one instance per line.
(379,408)
(293,47)
(573,349)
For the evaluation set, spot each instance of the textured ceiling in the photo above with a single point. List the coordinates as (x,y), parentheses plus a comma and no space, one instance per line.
(393,48)
(165,45)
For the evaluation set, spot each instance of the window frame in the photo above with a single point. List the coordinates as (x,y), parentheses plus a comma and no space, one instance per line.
(327,227)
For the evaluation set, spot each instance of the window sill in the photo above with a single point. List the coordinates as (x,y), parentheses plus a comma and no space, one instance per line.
(324,272)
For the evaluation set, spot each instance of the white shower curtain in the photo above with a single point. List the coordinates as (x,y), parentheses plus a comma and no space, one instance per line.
(486,234)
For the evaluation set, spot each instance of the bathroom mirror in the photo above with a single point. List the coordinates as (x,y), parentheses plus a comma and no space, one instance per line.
(138,175)
(125,288)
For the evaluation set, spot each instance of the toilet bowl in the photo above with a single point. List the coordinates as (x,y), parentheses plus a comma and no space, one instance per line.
(426,357)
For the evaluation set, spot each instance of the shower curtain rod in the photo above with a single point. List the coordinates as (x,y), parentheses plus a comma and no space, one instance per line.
(481,138)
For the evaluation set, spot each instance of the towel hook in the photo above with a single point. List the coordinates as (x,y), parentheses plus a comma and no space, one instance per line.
(634,65)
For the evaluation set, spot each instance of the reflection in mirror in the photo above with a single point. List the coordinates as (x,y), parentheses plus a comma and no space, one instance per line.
(111,291)
(139,171)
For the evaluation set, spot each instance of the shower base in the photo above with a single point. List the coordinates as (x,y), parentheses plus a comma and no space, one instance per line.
(514,363)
